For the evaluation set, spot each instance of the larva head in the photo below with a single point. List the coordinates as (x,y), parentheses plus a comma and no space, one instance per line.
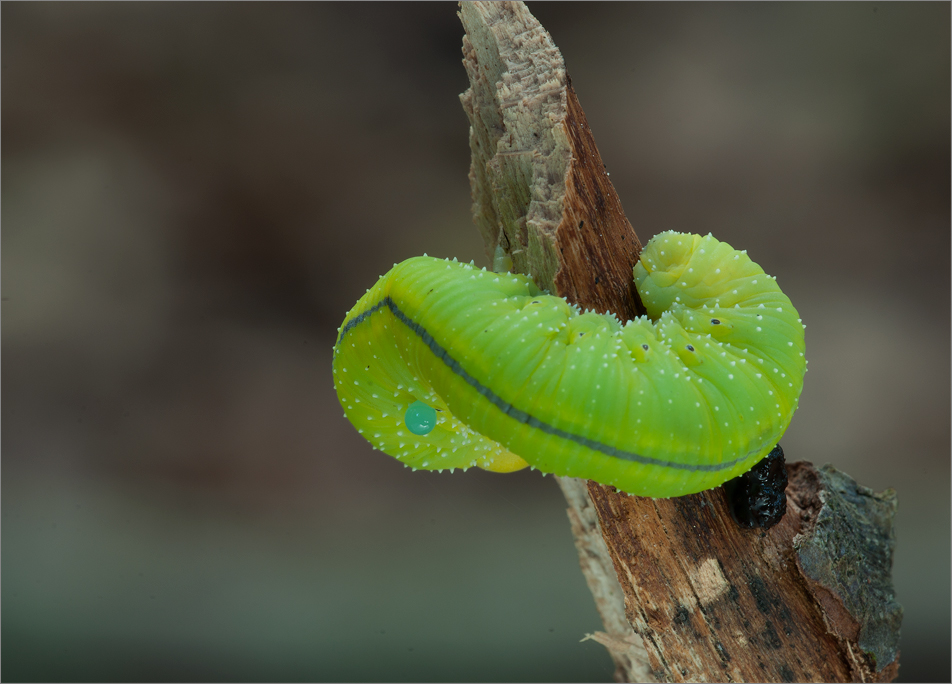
(678,270)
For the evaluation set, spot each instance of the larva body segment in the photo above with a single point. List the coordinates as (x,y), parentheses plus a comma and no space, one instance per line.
(665,405)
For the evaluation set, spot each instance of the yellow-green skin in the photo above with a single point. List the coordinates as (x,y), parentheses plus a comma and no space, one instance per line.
(662,406)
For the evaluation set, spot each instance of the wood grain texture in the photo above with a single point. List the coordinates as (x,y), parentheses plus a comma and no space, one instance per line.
(708,601)
(718,602)
(597,245)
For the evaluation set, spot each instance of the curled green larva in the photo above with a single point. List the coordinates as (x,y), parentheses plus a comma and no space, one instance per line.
(443,365)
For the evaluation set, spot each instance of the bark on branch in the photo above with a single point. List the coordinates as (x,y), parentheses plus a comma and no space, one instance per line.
(684,593)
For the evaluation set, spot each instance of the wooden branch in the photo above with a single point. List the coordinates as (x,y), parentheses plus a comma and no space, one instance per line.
(809,600)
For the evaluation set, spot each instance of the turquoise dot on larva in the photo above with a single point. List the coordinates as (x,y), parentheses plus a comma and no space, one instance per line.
(420,418)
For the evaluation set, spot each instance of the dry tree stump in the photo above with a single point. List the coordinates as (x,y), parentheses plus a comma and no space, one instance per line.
(685,594)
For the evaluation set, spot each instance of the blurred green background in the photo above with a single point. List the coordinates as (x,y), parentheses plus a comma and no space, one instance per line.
(195,194)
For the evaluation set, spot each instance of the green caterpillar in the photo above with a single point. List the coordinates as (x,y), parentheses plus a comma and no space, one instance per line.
(443,365)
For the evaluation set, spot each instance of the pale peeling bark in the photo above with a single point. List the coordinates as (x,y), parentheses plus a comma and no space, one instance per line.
(684,593)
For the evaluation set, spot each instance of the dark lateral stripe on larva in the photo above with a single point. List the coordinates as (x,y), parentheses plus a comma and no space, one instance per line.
(357,320)
(512,411)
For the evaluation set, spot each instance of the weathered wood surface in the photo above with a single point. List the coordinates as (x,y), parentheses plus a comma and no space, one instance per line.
(809,600)
(716,602)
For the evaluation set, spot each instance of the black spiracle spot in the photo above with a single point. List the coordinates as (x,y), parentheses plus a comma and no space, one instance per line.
(645,347)
(758,498)
(715,321)
(689,347)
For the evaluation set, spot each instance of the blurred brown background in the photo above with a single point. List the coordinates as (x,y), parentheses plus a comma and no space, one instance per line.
(193,196)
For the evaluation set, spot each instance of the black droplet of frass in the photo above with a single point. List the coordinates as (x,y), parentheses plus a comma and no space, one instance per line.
(758,498)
